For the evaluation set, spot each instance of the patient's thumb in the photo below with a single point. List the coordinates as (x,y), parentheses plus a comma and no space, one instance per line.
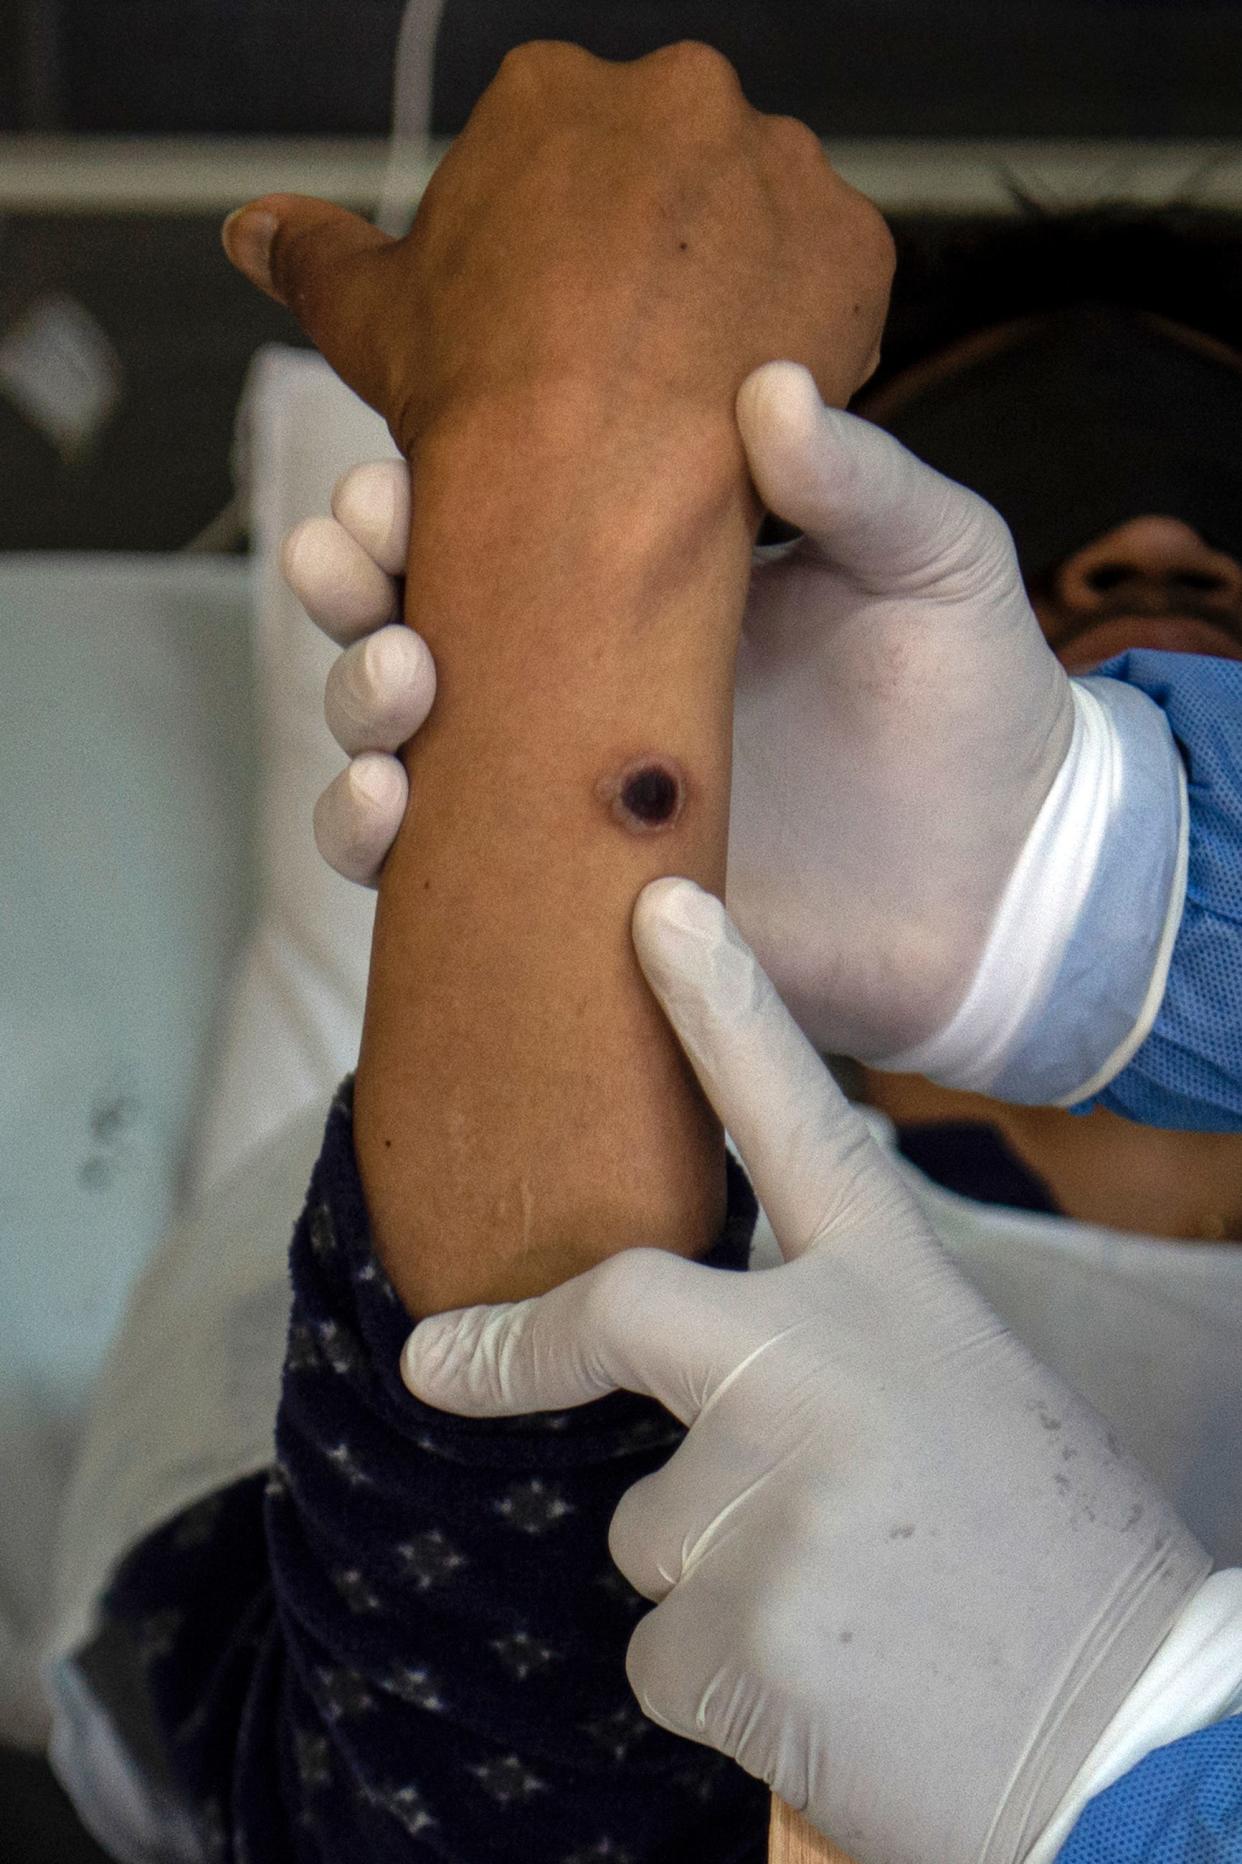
(320,262)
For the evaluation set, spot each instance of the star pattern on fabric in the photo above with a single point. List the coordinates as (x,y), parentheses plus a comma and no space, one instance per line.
(343,1460)
(507,1780)
(339,1347)
(647,1432)
(301,1354)
(620,1591)
(342,1694)
(352,1585)
(370,1275)
(405,1804)
(498,1551)
(702,1781)
(619,1731)
(428,1559)
(533,1507)
(524,1655)
(415,1683)
(322,1232)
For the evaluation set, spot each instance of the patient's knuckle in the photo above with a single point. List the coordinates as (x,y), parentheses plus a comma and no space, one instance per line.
(699,67)
(794,138)
(537,62)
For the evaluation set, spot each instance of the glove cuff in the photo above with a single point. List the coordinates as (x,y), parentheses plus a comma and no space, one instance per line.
(1075,963)
(1194,1679)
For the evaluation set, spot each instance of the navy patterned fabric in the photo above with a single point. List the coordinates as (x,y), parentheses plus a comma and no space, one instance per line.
(1188,1072)
(407,1641)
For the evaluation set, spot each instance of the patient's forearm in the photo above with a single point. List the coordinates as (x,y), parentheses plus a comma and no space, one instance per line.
(522,1109)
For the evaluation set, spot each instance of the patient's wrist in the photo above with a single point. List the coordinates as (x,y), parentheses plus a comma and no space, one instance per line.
(558,489)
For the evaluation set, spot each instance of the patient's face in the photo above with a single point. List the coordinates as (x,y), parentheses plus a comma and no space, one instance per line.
(1151,581)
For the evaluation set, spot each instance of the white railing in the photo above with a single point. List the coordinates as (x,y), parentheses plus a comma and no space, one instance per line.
(105,174)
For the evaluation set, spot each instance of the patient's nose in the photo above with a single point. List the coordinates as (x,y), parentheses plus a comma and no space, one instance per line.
(1153,559)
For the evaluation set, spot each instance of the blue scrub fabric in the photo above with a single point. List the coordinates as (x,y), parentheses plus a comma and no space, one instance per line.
(1188,1072)
(1181,1805)
(407,1641)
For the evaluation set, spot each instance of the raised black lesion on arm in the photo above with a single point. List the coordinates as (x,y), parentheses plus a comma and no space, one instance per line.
(647,794)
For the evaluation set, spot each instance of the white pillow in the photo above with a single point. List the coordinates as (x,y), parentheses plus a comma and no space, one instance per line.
(126,740)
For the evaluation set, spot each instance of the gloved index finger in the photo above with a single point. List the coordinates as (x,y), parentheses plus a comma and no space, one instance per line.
(643,1321)
(813,1163)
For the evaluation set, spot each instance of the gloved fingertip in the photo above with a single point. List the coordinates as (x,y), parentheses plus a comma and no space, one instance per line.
(786,430)
(673,917)
(402,671)
(372,502)
(428,1359)
(299,549)
(772,391)
(672,914)
(357,817)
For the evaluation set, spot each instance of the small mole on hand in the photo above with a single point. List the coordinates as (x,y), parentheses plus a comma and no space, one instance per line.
(684,246)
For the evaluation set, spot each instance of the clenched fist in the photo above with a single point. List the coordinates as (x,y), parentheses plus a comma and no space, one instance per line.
(633,234)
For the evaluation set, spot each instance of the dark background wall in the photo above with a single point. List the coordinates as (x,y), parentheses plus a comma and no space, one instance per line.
(850,67)
(182,326)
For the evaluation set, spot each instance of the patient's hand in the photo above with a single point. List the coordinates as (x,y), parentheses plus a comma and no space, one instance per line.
(633,234)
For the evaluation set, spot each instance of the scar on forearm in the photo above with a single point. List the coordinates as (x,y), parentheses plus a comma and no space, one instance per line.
(645,796)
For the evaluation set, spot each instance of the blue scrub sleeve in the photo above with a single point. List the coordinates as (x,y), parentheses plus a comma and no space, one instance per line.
(1182,1804)
(1187,1074)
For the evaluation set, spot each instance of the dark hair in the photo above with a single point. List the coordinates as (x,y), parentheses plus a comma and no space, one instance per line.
(958,274)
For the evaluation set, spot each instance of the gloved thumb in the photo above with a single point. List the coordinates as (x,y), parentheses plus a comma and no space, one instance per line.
(867,503)
(326,266)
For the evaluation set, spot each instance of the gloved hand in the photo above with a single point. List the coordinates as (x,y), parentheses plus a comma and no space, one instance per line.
(902,1573)
(346,570)
(924,807)
(869,842)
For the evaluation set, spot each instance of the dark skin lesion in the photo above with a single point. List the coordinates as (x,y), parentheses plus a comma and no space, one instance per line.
(646,796)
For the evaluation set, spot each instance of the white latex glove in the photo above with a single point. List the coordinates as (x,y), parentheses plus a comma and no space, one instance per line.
(948,857)
(903,1574)
(346,570)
